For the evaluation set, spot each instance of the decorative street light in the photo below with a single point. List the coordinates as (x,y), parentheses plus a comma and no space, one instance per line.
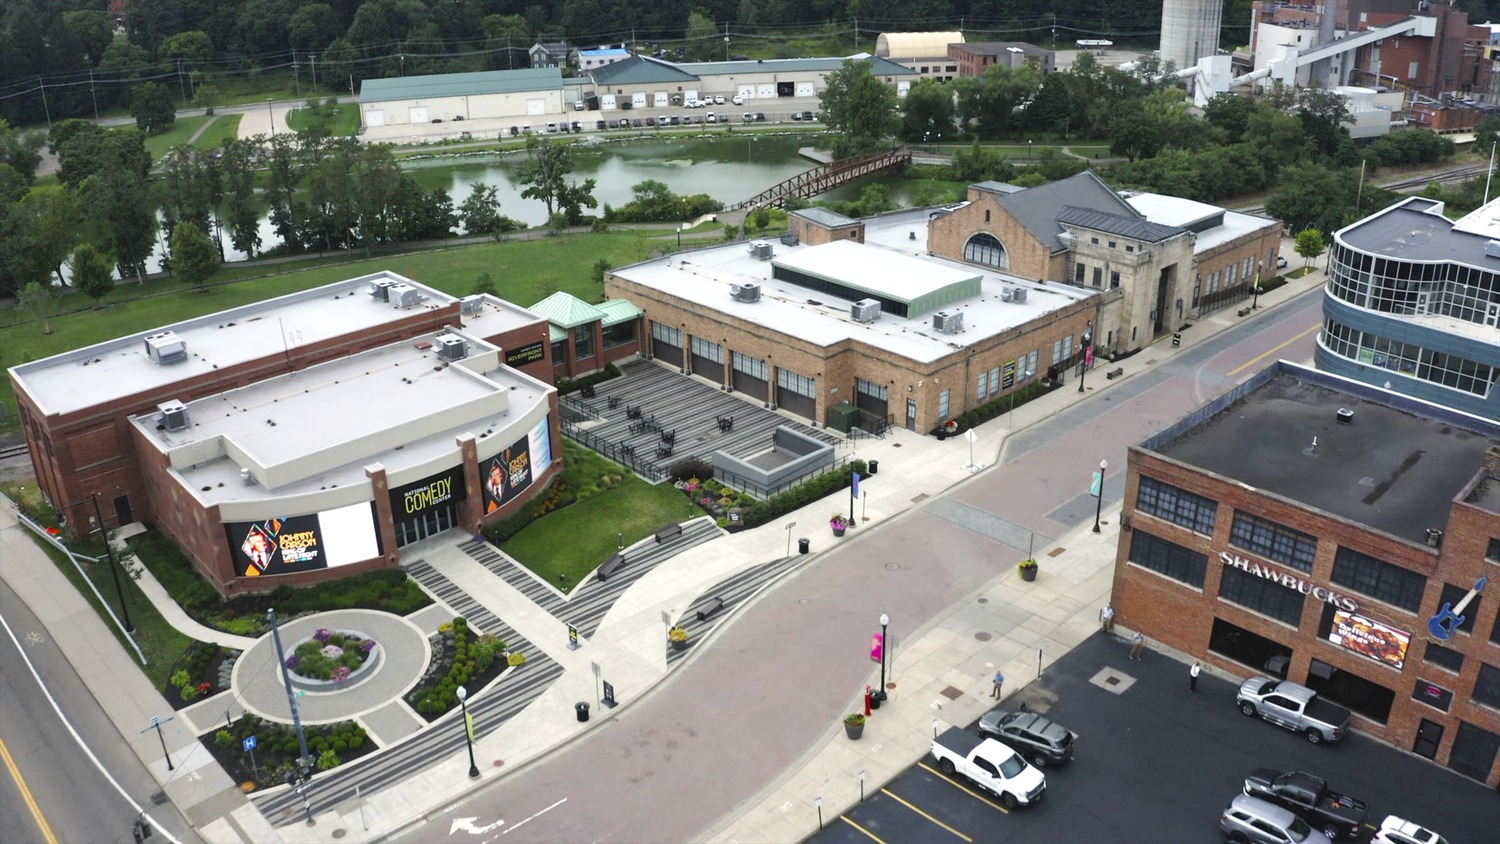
(885,621)
(463,695)
(1088,343)
(1099,504)
(271,115)
(1255,291)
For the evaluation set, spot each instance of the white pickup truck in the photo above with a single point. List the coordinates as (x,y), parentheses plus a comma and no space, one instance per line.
(990,765)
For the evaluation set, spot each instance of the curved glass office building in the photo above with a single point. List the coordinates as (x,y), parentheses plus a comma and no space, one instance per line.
(1413,304)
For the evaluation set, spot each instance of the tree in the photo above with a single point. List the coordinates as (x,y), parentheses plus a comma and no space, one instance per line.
(546,171)
(1230,114)
(195,259)
(1486,135)
(702,36)
(989,102)
(1323,114)
(36,299)
(927,113)
(484,285)
(761,218)
(207,97)
(601,267)
(480,211)
(1309,244)
(1051,110)
(91,273)
(1311,195)
(152,109)
(21,150)
(860,109)
(312,27)
(94,31)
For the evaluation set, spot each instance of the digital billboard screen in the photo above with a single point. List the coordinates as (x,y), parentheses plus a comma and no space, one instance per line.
(293,544)
(510,472)
(1369,638)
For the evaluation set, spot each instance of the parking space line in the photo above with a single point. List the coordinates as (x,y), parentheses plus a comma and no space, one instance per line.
(887,792)
(974,794)
(873,836)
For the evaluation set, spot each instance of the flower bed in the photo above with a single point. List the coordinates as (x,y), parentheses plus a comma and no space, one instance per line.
(276,749)
(331,656)
(715,498)
(203,670)
(458,659)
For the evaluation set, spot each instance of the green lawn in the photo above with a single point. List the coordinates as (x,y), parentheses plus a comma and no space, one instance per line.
(224,127)
(344,121)
(575,540)
(522,271)
(183,129)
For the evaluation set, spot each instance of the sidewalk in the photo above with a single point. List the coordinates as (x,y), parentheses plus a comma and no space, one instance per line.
(942,666)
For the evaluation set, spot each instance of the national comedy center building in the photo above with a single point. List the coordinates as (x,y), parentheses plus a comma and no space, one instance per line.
(302,438)
(1309,526)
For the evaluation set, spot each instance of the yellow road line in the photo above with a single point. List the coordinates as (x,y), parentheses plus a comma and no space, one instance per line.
(873,837)
(887,792)
(36,811)
(974,794)
(1258,358)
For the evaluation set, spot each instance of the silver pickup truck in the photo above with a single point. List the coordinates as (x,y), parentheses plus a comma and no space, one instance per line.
(1295,707)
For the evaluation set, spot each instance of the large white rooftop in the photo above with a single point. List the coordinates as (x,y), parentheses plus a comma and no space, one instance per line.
(1187,213)
(704,276)
(120,368)
(880,271)
(400,405)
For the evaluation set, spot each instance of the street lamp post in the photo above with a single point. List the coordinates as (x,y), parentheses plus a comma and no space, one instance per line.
(271,115)
(1088,342)
(463,695)
(885,621)
(1099,503)
(1255,291)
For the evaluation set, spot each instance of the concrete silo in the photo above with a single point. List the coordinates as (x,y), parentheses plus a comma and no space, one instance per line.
(1190,30)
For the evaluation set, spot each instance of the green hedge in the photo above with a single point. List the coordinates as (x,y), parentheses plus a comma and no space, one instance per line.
(762,512)
(559,493)
(990,410)
(573,385)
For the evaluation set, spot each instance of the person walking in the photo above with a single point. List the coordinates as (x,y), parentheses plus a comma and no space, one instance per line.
(1136,643)
(1107,618)
(1193,677)
(999,685)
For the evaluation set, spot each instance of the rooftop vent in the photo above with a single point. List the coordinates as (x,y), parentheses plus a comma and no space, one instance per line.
(246,478)
(1006,293)
(450,347)
(747,292)
(1019,295)
(1492,249)
(1345,416)
(865,310)
(761,250)
(404,296)
(471,305)
(174,414)
(1434,537)
(948,322)
(166,347)
(380,290)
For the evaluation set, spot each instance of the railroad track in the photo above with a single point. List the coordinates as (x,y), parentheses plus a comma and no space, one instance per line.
(10,451)
(1411,185)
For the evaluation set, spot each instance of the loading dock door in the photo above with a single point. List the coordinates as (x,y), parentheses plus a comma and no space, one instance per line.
(417,114)
(766,91)
(805,89)
(747,91)
(536,107)
(375,117)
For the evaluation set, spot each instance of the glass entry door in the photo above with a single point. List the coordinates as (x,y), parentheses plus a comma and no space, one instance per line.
(430,523)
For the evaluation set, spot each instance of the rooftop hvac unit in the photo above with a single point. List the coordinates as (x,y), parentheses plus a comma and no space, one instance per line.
(471,305)
(1492,249)
(789,239)
(948,322)
(380,290)
(761,250)
(865,310)
(404,296)
(246,478)
(450,347)
(1006,293)
(174,415)
(1019,295)
(747,292)
(166,347)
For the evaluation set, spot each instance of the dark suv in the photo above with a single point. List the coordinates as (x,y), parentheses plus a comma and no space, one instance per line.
(1042,741)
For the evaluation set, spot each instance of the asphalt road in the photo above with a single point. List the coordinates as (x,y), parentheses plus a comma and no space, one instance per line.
(71,796)
(1156,763)
(750,706)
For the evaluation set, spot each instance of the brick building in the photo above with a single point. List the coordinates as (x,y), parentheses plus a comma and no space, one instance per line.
(280,440)
(1157,261)
(974,59)
(1312,527)
(586,338)
(854,311)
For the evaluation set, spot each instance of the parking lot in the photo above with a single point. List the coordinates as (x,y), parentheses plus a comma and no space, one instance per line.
(1156,763)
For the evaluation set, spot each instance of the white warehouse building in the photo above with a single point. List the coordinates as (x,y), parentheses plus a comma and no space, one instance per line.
(411,100)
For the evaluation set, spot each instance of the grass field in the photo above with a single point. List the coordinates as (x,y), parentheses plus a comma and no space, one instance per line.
(524,271)
(343,122)
(183,129)
(224,127)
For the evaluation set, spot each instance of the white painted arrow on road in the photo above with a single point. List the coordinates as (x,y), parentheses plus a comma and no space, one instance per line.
(467,825)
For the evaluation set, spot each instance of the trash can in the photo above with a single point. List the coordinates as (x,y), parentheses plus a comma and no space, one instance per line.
(583,711)
(803,545)
(874,467)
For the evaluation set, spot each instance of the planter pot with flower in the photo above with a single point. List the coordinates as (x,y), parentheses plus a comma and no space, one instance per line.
(839,524)
(678,637)
(1027,569)
(854,726)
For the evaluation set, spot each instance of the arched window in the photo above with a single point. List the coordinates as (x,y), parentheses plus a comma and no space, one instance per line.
(987,250)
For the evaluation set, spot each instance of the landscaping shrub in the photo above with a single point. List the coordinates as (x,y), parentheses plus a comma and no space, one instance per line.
(1002,405)
(570,385)
(762,512)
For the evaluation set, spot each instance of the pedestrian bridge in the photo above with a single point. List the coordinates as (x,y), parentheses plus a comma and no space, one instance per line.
(826,177)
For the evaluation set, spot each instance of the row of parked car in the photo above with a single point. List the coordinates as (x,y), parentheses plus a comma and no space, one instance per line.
(565,126)
(1299,808)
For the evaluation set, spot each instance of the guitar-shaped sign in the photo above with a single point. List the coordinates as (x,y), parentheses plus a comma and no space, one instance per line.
(1446,622)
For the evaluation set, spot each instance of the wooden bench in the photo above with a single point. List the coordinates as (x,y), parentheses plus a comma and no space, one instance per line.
(668,531)
(610,566)
(708,609)
(1243,312)
(1114,373)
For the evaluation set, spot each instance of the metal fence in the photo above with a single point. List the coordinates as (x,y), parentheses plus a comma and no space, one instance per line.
(646,469)
(749,485)
(1221,299)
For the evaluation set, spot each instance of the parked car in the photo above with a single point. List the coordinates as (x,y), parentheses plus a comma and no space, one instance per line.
(748,117)
(624,123)
(577,127)
(578,106)
(760,117)
(636,123)
(1308,797)
(990,765)
(526,129)
(796,115)
(1295,707)
(1043,741)
(551,128)
(718,99)
(1393,830)
(708,118)
(807,115)
(650,121)
(1250,819)
(601,125)
(514,131)
(1280,262)
(738,100)
(563,127)
(674,120)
